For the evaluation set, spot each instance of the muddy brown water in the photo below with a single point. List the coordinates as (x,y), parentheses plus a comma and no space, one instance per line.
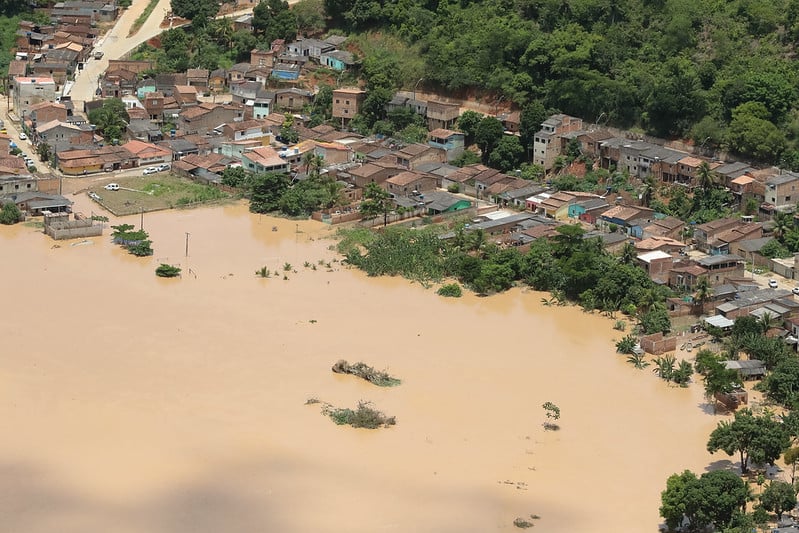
(132,403)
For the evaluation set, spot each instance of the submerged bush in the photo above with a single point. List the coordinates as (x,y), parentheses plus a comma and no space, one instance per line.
(362,417)
(167,271)
(450,290)
(380,378)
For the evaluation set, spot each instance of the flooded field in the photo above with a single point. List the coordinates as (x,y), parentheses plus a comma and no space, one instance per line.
(138,404)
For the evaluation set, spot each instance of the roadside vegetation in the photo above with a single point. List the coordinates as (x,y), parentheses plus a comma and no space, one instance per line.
(141,19)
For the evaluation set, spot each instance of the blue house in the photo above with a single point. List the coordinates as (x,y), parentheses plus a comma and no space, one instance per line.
(338,60)
(629,218)
(452,142)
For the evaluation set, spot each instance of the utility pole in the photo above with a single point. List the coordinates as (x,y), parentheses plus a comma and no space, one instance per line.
(187,243)
(141,223)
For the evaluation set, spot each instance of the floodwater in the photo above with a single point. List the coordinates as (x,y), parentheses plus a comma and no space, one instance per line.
(137,404)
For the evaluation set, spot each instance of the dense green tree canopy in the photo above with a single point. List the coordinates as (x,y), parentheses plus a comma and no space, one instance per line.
(759,438)
(111,119)
(711,499)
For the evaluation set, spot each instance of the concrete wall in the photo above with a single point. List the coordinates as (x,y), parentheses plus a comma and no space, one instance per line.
(657,344)
(73,229)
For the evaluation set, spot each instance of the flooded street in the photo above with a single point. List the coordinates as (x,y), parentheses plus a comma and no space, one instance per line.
(138,404)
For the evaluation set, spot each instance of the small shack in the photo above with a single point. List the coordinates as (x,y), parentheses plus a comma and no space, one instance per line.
(752,369)
(719,321)
(732,400)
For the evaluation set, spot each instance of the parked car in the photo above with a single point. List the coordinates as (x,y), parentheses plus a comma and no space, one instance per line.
(150,170)
(112,187)
(22,137)
(163,167)
(773,283)
(795,290)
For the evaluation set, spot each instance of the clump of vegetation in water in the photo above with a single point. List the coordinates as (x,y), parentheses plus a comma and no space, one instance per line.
(364,416)
(627,344)
(286,267)
(167,271)
(450,290)
(263,272)
(552,412)
(380,378)
(667,369)
(135,242)
(638,361)
(523,523)
(620,325)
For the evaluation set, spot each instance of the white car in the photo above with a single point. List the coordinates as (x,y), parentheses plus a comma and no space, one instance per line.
(22,136)
(795,290)
(112,187)
(150,170)
(773,283)
(163,167)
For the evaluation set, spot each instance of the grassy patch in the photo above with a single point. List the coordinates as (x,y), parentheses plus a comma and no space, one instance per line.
(364,416)
(139,22)
(364,371)
(149,193)
(353,238)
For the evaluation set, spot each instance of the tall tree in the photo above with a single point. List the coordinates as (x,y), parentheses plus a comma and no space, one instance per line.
(199,11)
(488,135)
(759,438)
(272,19)
(712,499)
(267,190)
(376,202)
(778,497)
(111,119)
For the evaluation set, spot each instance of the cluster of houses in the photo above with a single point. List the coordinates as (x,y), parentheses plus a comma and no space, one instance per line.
(60,49)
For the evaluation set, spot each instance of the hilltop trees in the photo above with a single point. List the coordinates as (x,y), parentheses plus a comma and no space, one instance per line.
(272,19)
(199,11)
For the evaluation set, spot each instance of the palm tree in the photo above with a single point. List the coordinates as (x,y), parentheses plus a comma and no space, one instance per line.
(223,32)
(783,223)
(648,192)
(703,292)
(628,254)
(313,163)
(768,321)
(704,177)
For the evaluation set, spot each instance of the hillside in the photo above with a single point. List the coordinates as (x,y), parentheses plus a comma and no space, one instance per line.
(721,72)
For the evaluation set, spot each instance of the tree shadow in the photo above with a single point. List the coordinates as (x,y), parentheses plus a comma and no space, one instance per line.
(723,464)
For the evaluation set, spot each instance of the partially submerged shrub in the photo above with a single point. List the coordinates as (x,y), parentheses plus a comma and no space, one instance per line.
(450,290)
(167,271)
(380,378)
(363,417)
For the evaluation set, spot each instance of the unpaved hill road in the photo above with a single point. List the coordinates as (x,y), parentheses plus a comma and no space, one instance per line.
(116,43)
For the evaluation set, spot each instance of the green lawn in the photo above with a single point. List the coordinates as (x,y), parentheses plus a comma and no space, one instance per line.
(153,193)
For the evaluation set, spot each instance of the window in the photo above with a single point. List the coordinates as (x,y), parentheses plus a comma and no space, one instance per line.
(338,101)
